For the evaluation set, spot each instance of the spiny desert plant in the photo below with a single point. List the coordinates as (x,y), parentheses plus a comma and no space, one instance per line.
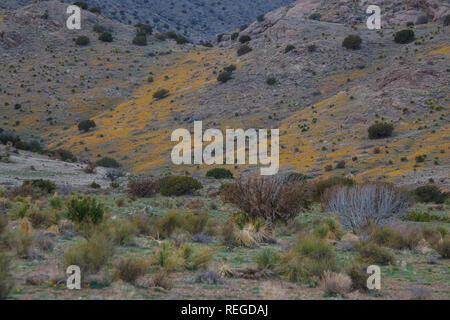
(333,283)
(360,204)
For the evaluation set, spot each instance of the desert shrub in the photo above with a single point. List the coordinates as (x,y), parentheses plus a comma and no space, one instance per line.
(372,253)
(144,187)
(245,231)
(443,247)
(308,257)
(380,130)
(321,186)
(394,239)
(99,28)
(129,269)
(82,41)
(267,198)
(329,225)
(144,28)
(430,193)
(180,185)
(447,20)
(140,40)
(107,162)
(289,48)
(144,224)
(244,49)
(219,173)
(171,257)
(404,36)
(65,155)
(6,283)
(23,191)
(181,40)
(192,223)
(224,76)
(55,202)
(43,185)
(168,256)
(433,235)
(162,279)
(271,81)
(267,258)
(358,273)
(84,210)
(417,216)
(90,254)
(357,205)
(352,42)
(106,37)
(230,68)
(83,5)
(333,283)
(160,94)
(244,38)
(208,277)
(234,35)
(315,16)
(121,231)
(23,239)
(42,218)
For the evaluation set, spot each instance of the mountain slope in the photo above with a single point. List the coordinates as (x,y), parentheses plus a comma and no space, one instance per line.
(324,100)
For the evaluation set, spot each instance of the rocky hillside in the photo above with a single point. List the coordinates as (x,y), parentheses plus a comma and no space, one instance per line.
(195,19)
(297,77)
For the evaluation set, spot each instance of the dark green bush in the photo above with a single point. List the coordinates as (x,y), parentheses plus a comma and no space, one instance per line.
(352,42)
(430,193)
(180,185)
(315,16)
(230,68)
(288,48)
(244,38)
(181,40)
(106,37)
(43,185)
(107,162)
(85,210)
(144,28)
(83,5)
(271,81)
(224,76)
(404,36)
(160,94)
(372,253)
(82,41)
(260,18)
(219,173)
(380,130)
(140,40)
(244,50)
(321,186)
(65,155)
(85,125)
